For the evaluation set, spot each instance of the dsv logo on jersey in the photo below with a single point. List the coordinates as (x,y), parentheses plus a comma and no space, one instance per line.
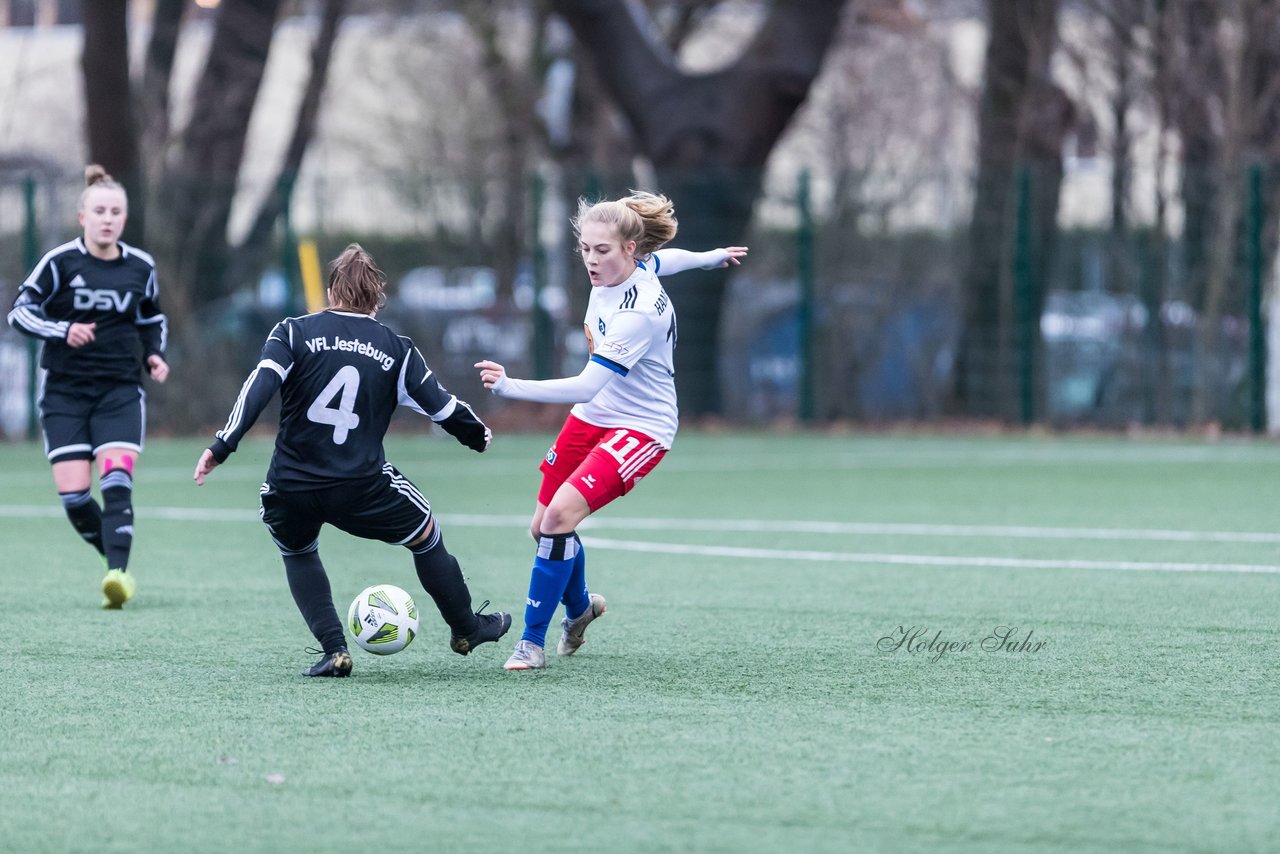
(103,299)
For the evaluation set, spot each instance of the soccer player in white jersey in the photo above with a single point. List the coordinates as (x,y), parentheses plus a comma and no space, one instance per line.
(95,306)
(625,415)
(341,374)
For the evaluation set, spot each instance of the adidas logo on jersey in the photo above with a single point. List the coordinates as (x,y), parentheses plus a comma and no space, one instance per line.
(78,281)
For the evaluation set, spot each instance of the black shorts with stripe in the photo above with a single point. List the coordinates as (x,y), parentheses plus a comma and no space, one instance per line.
(82,417)
(385,506)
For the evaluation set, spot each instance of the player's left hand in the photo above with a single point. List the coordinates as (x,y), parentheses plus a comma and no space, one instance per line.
(158,367)
(207,464)
(735,252)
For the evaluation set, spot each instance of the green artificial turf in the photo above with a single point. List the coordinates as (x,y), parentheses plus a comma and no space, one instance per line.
(743,693)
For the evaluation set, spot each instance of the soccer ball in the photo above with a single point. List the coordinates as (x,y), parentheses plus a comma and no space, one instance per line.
(383,619)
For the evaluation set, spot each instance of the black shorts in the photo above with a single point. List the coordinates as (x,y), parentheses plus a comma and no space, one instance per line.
(385,507)
(81,418)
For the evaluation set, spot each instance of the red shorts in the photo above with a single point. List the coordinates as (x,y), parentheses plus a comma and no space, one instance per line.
(602,463)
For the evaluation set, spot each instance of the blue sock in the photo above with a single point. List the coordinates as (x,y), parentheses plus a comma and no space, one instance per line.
(551,570)
(575,599)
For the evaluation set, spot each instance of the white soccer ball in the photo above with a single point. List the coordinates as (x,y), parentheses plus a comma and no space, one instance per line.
(383,619)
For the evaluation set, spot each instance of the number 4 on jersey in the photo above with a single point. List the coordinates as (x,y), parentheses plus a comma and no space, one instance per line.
(342,418)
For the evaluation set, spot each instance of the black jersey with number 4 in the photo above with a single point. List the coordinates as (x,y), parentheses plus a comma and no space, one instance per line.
(120,296)
(341,376)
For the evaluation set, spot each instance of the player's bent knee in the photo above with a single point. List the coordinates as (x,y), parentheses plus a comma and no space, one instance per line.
(562,520)
(535,525)
(426,540)
(110,461)
(72,475)
(287,551)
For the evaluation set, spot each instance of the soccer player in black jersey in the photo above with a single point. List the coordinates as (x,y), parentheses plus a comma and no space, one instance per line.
(94,303)
(341,374)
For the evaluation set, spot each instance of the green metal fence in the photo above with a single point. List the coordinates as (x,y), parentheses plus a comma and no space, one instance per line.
(836,315)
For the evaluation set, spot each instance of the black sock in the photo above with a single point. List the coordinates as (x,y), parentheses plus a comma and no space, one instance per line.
(442,578)
(310,588)
(85,516)
(117,517)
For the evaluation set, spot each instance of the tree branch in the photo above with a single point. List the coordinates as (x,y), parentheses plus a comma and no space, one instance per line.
(620,37)
(157,71)
(250,258)
(732,116)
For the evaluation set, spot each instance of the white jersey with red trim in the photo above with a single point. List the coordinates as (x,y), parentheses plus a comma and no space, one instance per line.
(631,330)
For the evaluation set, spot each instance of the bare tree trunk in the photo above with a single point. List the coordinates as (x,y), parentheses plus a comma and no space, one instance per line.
(511,88)
(1199,82)
(1160,402)
(1022,36)
(708,137)
(1047,123)
(109,120)
(1122,52)
(157,72)
(202,184)
(1235,52)
(251,255)
(1264,90)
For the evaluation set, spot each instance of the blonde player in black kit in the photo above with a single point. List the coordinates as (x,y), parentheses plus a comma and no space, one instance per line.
(95,305)
(341,374)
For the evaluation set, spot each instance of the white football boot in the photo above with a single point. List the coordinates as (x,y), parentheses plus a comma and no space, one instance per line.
(571,631)
(527,656)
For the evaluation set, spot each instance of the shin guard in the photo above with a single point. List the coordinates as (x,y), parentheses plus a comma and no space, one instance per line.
(85,516)
(310,588)
(117,517)
(441,577)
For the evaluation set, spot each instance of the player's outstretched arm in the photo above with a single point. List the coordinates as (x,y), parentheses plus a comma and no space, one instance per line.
(421,391)
(579,389)
(263,382)
(464,425)
(672,260)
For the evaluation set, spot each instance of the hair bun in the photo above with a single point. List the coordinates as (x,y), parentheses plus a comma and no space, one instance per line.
(93,173)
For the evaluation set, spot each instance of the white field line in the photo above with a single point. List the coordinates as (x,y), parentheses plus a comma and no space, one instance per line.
(921,560)
(205,514)
(926,530)
(208,514)
(749,457)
